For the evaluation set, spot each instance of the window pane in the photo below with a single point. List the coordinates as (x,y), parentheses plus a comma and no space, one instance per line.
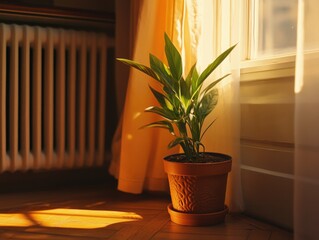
(277,29)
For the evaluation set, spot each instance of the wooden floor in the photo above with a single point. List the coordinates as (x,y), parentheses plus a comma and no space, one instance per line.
(100,212)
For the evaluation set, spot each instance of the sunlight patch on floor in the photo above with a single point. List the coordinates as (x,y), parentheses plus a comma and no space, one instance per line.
(67,218)
(14,220)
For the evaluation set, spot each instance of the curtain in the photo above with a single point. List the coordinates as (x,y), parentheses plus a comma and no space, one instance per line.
(194,26)
(306,190)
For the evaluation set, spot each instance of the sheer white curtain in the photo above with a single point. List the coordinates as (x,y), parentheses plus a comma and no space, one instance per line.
(195,28)
(306,195)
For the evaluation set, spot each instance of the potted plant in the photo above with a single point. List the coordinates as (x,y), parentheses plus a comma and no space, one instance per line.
(197,178)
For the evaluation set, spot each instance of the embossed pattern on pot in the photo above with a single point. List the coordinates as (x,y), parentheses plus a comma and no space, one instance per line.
(182,192)
(197,194)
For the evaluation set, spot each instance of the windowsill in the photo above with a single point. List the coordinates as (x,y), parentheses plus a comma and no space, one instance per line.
(272,68)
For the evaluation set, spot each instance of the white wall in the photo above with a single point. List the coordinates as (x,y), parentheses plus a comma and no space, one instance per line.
(267,145)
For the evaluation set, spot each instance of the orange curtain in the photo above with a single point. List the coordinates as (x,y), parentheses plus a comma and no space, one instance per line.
(138,154)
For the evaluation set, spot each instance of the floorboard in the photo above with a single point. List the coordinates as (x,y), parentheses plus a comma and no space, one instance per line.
(101,212)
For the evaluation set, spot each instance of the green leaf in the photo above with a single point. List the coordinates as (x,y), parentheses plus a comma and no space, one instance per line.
(207,129)
(191,77)
(163,72)
(184,94)
(175,142)
(211,67)
(140,67)
(210,86)
(162,99)
(207,104)
(159,67)
(195,128)
(174,59)
(162,112)
(159,96)
(195,77)
(172,97)
(161,124)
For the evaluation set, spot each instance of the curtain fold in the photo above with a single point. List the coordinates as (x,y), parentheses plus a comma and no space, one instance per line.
(306,189)
(138,154)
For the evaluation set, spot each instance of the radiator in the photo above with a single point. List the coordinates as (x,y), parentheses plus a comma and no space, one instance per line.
(52,98)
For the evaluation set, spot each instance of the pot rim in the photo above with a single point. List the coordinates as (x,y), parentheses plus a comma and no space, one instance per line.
(197,168)
(222,155)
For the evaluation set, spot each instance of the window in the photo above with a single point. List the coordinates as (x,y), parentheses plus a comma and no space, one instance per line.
(277,26)
(268,39)
(272,27)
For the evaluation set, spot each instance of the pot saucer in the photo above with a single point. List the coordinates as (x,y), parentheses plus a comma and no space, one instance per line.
(197,219)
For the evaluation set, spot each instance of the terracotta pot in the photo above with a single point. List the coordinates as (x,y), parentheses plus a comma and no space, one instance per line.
(198,190)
